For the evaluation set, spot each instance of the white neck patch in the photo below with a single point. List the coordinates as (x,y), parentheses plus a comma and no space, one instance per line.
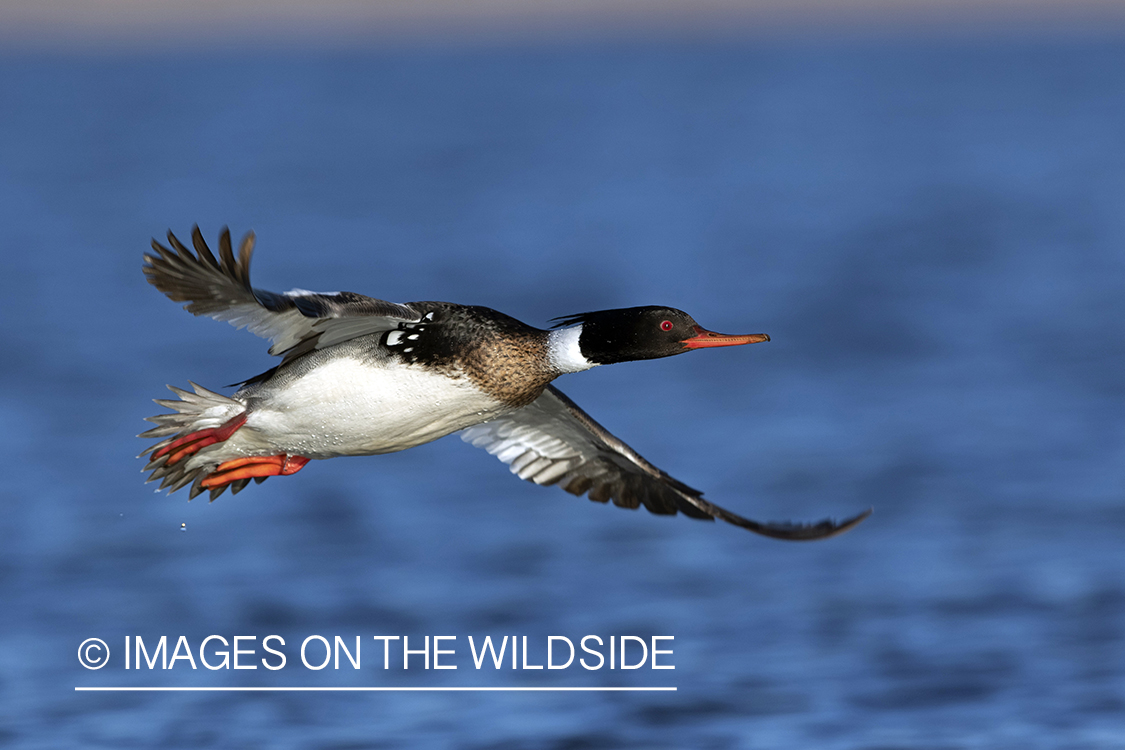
(565,353)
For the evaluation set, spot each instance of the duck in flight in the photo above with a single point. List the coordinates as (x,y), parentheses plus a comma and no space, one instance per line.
(359,376)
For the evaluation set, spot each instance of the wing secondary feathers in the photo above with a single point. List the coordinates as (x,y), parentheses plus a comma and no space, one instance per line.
(552,441)
(295,322)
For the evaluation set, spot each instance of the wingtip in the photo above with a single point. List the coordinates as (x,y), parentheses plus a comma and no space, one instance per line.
(787,531)
(850,523)
(822,530)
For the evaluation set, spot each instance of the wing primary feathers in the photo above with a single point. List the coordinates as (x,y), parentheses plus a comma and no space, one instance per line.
(552,441)
(245,250)
(226,256)
(295,323)
(175,243)
(793,532)
(178,246)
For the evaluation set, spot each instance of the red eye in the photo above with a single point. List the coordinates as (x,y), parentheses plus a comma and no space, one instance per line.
(666,325)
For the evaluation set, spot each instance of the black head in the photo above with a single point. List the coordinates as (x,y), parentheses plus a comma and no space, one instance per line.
(630,333)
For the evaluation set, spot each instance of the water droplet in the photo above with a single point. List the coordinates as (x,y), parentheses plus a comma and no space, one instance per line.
(183,527)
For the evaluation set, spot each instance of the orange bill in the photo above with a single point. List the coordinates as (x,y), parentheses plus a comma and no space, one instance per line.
(704,339)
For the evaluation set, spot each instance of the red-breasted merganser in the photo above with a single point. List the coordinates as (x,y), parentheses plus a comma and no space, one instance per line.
(360,376)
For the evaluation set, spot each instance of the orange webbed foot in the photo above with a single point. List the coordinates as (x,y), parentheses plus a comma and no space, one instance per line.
(253,467)
(192,443)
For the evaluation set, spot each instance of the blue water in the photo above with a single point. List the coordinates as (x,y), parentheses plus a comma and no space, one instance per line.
(932,233)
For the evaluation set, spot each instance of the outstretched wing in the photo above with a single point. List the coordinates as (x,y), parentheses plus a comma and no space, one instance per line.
(552,441)
(296,322)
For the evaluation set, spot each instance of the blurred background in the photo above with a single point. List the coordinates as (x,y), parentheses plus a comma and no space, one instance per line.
(920,202)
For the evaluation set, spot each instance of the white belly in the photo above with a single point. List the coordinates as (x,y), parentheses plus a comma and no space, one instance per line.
(346,407)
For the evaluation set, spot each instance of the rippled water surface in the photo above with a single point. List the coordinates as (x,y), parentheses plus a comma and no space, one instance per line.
(932,233)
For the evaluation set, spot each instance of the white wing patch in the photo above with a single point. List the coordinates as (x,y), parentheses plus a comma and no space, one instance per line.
(537,442)
(337,330)
(284,329)
(298,292)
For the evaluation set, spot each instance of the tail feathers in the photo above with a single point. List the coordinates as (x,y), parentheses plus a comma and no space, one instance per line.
(198,420)
(193,410)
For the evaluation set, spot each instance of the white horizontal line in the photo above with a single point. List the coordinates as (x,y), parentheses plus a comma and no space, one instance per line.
(370,689)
